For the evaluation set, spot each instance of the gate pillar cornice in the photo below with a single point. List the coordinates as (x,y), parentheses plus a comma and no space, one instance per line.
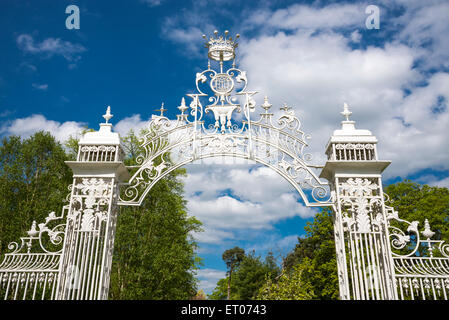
(86,260)
(100,154)
(365,268)
(352,151)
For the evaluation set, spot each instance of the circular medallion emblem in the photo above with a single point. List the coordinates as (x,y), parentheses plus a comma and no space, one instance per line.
(222,83)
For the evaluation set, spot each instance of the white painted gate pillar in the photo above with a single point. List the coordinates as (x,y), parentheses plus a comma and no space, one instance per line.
(86,259)
(365,266)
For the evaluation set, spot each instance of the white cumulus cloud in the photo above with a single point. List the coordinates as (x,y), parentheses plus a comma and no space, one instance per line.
(50,47)
(42,87)
(27,126)
(239,197)
(208,278)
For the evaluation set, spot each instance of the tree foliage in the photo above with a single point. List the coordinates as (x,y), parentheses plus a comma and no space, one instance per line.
(220,291)
(289,286)
(309,270)
(416,202)
(71,144)
(200,295)
(252,274)
(232,258)
(34,181)
(249,275)
(154,254)
(314,255)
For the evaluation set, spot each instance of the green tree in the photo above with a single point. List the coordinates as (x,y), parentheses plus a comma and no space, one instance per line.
(232,258)
(34,181)
(315,255)
(131,145)
(200,295)
(248,277)
(416,202)
(220,291)
(252,273)
(288,286)
(155,254)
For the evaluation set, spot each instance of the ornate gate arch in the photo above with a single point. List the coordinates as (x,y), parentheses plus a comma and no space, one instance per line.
(171,144)
(367,266)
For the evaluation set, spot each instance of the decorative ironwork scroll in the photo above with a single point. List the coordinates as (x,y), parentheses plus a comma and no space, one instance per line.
(365,238)
(30,270)
(421,263)
(216,123)
(86,260)
(88,247)
(72,260)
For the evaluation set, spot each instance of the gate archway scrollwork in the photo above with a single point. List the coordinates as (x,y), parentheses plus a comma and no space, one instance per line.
(172,144)
(279,144)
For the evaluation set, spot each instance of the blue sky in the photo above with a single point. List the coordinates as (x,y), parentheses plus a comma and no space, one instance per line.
(314,55)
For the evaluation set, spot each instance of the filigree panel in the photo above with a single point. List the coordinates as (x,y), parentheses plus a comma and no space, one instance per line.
(421,263)
(277,143)
(364,229)
(88,238)
(31,268)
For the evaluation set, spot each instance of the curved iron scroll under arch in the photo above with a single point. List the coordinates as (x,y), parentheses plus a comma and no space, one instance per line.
(172,144)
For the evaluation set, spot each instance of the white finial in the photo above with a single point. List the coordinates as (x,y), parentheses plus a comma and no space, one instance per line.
(108,114)
(183,106)
(266,105)
(33,231)
(427,232)
(346,113)
(161,110)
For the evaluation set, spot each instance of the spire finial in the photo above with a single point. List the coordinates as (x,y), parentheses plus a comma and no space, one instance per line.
(183,106)
(108,114)
(266,105)
(161,110)
(427,232)
(346,113)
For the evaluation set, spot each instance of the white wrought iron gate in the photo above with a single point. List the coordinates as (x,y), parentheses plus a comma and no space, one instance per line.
(376,259)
